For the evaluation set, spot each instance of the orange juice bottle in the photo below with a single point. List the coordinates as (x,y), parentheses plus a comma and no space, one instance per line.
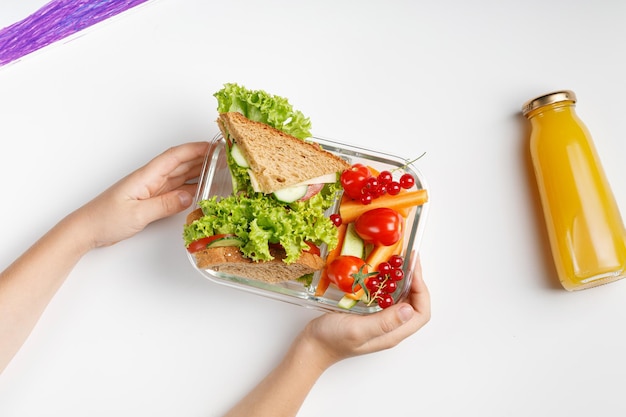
(586,232)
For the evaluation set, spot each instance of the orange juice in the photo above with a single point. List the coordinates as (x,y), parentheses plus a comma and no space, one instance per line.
(586,232)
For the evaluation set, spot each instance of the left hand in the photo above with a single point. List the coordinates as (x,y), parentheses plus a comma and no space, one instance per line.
(157,190)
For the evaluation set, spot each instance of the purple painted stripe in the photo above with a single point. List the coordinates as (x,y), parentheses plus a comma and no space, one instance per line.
(55,21)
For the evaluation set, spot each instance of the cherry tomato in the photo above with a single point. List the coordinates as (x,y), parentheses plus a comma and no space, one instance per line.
(343,270)
(354,179)
(380,226)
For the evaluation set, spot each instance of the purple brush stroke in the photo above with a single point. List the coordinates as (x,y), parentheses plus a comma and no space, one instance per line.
(55,21)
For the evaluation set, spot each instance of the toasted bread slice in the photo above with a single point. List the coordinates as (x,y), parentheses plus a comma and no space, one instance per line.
(230,260)
(194,215)
(278,160)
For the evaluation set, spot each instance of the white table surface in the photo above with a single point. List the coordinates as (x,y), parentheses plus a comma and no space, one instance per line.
(136,331)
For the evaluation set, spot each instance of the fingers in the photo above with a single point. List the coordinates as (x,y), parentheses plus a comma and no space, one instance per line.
(419,296)
(167,171)
(187,169)
(165,205)
(166,176)
(184,160)
(389,327)
(178,155)
(189,188)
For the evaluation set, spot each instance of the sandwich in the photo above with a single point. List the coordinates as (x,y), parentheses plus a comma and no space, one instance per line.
(275,223)
(273,162)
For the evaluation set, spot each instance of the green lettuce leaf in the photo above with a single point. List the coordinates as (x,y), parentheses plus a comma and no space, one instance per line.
(260,221)
(263,107)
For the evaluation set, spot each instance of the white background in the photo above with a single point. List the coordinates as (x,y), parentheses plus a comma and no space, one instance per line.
(136,330)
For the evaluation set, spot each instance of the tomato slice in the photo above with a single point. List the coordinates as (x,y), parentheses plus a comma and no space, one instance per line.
(313,249)
(203,243)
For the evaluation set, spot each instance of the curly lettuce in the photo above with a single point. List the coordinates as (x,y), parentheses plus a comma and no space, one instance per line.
(260,222)
(240,176)
(263,107)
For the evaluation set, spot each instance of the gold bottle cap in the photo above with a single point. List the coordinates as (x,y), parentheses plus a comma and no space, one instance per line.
(550,98)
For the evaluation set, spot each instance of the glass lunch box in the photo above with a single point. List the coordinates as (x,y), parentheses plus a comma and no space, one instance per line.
(215,180)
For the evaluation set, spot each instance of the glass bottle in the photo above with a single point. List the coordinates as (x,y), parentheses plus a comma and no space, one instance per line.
(586,232)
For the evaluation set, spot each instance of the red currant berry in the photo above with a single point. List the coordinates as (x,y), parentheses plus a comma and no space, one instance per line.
(374,192)
(336,219)
(390,287)
(384,268)
(396,261)
(371,183)
(393,188)
(385,177)
(366,199)
(396,274)
(373,284)
(385,301)
(407,181)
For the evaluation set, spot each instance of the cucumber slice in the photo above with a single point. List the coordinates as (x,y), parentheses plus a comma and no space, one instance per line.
(346,303)
(353,245)
(291,194)
(235,152)
(233,180)
(225,241)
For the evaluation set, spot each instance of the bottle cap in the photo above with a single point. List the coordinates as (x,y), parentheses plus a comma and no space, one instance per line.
(550,98)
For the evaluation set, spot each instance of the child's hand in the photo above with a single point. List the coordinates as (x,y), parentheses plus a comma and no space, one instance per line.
(158,189)
(339,336)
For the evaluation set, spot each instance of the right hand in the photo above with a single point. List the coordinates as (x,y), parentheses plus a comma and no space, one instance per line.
(338,336)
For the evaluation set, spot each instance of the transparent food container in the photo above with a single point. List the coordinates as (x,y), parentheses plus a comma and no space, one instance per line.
(215,180)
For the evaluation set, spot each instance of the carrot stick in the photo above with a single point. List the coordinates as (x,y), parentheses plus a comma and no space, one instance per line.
(356,295)
(373,170)
(324,281)
(322,284)
(382,253)
(350,210)
(404,211)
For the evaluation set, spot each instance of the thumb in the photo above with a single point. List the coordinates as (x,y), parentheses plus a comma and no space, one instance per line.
(166,205)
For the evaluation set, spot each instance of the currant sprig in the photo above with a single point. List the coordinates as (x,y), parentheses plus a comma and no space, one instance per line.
(380,288)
